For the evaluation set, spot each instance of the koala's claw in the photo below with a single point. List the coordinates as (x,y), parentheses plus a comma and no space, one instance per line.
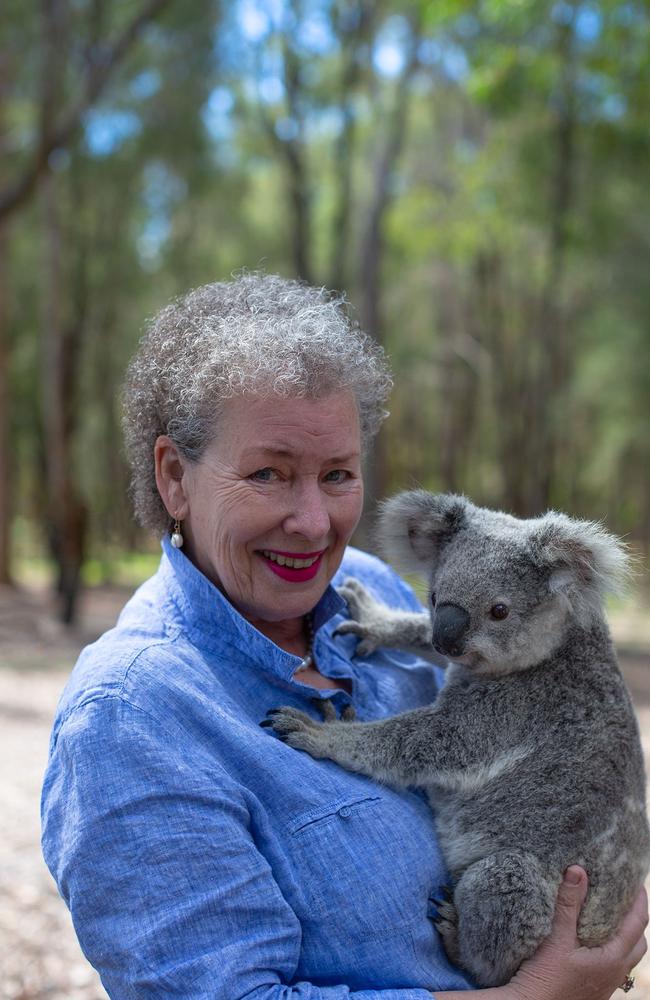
(445,895)
(328,712)
(446,923)
(298,730)
(287,720)
(349,626)
(366,615)
(349,713)
(325,707)
(268,721)
(367,645)
(357,597)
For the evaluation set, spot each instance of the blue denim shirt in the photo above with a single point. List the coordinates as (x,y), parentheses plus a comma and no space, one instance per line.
(201,857)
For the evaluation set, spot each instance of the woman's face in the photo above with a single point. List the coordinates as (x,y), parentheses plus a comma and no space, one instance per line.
(274,501)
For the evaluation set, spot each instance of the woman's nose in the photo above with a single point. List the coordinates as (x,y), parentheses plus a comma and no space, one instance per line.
(309,515)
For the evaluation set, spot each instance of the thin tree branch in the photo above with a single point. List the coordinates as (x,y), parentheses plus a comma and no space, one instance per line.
(59,134)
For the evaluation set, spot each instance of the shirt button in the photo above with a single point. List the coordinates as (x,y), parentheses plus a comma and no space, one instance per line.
(345,812)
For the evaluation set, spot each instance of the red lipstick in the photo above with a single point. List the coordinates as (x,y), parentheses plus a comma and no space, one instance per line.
(290,573)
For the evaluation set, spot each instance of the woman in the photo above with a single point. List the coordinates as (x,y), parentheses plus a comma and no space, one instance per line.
(200,856)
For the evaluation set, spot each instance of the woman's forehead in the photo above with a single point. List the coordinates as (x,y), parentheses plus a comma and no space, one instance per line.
(282,424)
(281,427)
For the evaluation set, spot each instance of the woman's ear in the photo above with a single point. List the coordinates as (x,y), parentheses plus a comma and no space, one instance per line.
(170,472)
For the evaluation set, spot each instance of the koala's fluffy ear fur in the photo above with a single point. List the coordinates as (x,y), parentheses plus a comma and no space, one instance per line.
(413,527)
(585,561)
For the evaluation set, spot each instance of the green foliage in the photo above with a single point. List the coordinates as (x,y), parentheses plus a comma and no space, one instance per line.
(514,235)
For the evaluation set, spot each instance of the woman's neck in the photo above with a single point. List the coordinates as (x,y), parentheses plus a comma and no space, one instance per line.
(291,634)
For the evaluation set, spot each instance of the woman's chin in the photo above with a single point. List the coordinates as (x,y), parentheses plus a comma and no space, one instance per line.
(277,600)
(275,609)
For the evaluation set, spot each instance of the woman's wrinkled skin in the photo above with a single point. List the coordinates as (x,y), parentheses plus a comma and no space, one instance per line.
(281,476)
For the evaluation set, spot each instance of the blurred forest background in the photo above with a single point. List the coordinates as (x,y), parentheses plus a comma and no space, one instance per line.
(474,173)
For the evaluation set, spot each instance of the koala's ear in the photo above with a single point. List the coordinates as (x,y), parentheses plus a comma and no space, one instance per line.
(585,561)
(414,526)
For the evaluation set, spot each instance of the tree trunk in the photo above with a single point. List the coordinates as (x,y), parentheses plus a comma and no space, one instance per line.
(297,174)
(66,514)
(291,151)
(353,43)
(6,478)
(5,465)
(495,318)
(554,354)
(372,247)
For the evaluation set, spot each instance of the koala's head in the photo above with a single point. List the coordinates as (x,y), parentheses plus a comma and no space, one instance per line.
(503,591)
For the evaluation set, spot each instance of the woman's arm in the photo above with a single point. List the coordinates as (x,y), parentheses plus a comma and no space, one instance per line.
(562,969)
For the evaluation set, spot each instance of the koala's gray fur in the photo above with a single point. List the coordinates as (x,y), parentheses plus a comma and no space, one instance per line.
(530,755)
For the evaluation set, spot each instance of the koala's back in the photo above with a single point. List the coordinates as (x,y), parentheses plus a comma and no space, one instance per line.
(557,773)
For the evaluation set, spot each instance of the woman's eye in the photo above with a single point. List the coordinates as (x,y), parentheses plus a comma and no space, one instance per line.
(337,476)
(263,475)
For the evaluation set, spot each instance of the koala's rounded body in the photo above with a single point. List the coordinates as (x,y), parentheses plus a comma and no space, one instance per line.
(553,776)
(531,755)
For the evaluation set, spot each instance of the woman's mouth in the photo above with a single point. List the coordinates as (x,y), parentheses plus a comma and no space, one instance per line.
(296,567)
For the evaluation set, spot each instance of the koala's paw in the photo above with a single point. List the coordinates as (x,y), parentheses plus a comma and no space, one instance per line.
(369,617)
(446,923)
(299,730)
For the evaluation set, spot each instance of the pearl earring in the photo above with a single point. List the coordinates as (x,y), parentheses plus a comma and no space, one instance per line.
(177,539)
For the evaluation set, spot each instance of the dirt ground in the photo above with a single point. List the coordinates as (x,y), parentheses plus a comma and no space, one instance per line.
(39,954)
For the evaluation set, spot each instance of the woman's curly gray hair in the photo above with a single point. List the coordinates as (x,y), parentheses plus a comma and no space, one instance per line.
(256,334)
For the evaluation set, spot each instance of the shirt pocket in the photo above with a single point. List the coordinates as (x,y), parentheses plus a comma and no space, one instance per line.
(362,864)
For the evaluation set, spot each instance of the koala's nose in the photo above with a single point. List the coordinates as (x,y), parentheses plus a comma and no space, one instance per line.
(450,623)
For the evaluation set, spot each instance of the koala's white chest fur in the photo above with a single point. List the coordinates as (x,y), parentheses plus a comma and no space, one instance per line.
(476,777)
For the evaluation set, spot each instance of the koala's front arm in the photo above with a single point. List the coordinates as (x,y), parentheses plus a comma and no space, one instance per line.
(406,749)
(378,625)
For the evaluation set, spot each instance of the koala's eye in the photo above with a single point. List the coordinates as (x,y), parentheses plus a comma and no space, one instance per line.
(433,598)
(499,611)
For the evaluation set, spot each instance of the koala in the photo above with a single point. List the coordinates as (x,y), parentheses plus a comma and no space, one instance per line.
(530,756)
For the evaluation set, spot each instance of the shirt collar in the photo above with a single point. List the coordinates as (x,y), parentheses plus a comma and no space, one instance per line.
(213,623)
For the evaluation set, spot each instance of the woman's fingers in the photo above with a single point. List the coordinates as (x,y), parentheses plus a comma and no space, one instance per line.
(571,895)
(636,920)
(562,968)
(629,936)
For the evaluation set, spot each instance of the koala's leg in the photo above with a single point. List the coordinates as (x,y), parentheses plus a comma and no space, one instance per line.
(504,907)
(399,750)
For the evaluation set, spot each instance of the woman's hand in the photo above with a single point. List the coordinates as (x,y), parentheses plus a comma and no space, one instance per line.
(562,969)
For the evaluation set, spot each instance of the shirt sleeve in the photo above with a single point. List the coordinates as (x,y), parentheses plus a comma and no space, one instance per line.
(156,858)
